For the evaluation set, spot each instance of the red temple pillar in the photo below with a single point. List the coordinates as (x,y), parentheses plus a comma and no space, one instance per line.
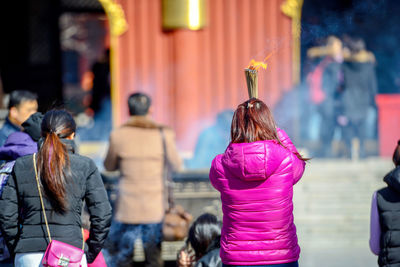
(193,75)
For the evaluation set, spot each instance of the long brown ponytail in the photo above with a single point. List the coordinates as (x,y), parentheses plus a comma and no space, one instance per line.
(53,160)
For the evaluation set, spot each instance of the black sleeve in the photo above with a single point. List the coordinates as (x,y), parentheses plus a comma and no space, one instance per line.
(100,213)
(9,213)
(373,84)
(329,80)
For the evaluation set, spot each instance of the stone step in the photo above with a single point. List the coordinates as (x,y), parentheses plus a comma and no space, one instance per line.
(360,205)
(333,198)
(169,250)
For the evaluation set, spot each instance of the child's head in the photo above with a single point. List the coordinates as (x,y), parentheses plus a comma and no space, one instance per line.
(396,155)
(202,232)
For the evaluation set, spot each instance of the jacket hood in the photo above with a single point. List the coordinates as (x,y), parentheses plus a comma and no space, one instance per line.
(32,126)
(393,179)
(253,161)
(18,144)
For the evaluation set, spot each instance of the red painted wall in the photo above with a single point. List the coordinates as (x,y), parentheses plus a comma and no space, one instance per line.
(388,123)
(193,75)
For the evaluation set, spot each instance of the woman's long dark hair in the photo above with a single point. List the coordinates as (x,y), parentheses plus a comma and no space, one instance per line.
(253,121)
(53,160)
(203,232)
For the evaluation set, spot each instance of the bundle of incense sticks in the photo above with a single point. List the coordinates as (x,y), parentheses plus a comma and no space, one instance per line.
(252,82)
(251,73)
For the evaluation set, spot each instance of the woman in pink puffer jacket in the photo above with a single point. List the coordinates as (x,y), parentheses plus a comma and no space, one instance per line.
(255,177)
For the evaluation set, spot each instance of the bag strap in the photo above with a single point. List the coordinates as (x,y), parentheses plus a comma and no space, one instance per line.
(40,195)
(166,172)
(42,203)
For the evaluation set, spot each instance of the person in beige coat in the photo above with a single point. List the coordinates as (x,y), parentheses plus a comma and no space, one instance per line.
(136,149)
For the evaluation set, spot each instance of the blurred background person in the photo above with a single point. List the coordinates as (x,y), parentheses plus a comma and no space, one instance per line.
(67,180)
(101,82)
(21,105)
(325,83)
(101,102)
(211,142)
(19,143)
(204,239)
(136,149)
(359,91)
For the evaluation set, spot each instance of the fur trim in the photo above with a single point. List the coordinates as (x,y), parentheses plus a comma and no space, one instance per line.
(363,56)
(143,122)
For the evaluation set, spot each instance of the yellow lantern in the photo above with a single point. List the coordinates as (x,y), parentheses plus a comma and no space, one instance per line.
(187,14)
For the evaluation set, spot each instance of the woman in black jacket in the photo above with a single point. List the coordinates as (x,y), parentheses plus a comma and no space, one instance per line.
(67,179)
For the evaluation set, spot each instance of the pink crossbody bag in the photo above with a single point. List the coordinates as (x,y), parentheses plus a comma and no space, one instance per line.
(58,253)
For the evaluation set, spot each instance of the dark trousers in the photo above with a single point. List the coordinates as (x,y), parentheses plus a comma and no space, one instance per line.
(355,129)
(7,263)
(290,264)
(327,129)
(119,247)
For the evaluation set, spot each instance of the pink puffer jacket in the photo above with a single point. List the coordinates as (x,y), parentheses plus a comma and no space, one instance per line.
(256,185)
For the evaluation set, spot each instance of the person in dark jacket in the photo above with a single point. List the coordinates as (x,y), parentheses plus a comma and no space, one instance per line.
(67,180)
(325,85)
(18,144)
(385,215)
(22,104)
(204,238)
(359,90)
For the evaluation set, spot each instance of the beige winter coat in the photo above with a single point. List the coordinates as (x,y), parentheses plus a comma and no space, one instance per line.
(136,149)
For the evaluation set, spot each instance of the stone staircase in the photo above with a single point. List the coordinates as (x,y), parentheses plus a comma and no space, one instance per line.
(332,211)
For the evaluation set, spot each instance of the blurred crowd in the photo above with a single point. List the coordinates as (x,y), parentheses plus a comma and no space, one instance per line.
(341,85)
